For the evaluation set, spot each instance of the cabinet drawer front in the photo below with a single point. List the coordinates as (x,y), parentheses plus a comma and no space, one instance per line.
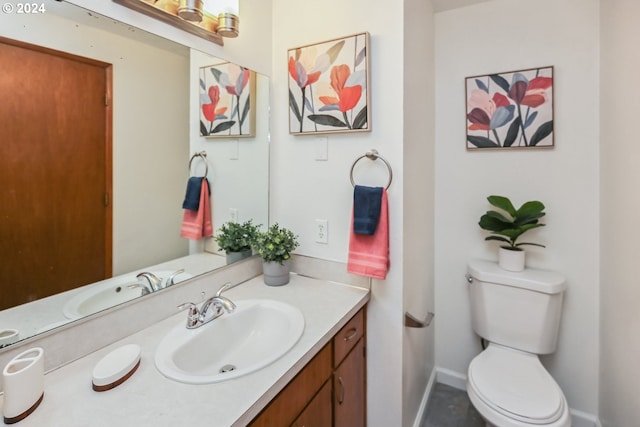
(348,336)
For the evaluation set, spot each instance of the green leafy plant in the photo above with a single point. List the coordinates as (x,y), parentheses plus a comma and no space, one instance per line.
(237,237)
(276,244)
(507,223)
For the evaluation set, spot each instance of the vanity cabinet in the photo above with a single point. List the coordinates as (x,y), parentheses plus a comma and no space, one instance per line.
(330,391)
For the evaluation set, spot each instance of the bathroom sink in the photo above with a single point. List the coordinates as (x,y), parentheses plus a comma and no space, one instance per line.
(255,334)
(111,292)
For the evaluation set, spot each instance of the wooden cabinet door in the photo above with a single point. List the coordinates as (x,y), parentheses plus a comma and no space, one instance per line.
(349,390)
(290,402)
(318,412)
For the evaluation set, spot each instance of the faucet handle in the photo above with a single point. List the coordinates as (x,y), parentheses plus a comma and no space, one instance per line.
(192,315)
(223,288)
(170,280)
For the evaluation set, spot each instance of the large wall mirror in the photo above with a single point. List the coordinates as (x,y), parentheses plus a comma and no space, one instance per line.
(155,132)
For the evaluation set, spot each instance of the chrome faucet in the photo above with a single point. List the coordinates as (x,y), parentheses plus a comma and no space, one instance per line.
(197,317)
(154,282)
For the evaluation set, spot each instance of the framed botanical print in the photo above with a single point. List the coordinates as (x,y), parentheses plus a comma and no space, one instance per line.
(510,110)
(329,86)
(227,101)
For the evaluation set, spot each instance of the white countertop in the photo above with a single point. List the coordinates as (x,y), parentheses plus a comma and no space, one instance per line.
(150,399)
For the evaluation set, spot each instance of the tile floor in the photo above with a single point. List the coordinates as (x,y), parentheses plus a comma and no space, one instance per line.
(450,407)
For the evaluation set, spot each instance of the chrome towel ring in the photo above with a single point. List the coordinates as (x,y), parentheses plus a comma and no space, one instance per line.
(203,156)
(372,155)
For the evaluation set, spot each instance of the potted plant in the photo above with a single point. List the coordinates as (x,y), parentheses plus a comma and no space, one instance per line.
(507,224)
(236,239)
(275,246)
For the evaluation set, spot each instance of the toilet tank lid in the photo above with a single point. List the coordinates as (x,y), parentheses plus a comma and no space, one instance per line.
(548,282)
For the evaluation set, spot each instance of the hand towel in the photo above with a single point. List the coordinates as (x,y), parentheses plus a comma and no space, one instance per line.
(366,209)
(197,224)
(369,254)
(192,196)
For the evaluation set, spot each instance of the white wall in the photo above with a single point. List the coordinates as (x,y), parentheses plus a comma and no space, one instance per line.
(620,151)
(303,189)
(238,168)
(505,35)
(252,49)
(418,210)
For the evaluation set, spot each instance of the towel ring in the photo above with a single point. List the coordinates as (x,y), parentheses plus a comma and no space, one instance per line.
(203,156)
(372,155)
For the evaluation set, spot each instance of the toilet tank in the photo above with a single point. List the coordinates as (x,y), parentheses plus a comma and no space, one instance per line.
(520,310)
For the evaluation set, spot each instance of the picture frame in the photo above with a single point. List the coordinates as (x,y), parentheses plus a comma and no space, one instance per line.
(227,101)
(510,110)
(329,86)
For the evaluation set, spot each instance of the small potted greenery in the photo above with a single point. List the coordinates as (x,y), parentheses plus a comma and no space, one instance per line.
(236,239)
(275,246)
(507,224)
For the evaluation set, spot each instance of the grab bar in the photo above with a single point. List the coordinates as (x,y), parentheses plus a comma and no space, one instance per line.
(412,322)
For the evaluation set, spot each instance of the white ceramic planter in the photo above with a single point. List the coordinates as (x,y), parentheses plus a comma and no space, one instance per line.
(511,260)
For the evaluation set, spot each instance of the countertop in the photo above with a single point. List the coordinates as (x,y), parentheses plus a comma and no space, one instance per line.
(150,399)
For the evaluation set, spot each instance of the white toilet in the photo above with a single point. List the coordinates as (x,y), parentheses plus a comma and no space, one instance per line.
(517,314)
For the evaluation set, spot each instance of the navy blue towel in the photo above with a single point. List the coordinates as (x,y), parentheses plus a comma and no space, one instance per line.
(192,197)
(366,209)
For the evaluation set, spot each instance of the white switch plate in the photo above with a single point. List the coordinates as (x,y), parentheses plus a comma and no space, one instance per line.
(322,231)
(233,214)
(234,150)
(322,148)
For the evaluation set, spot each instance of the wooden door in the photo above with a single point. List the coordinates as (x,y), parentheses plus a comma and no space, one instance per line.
(55,172)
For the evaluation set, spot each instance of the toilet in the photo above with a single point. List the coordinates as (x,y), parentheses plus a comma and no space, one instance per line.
(518,316)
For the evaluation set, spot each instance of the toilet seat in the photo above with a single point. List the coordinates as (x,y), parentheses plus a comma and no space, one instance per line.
(515,385)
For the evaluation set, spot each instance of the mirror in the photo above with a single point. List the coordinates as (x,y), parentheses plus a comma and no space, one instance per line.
(155,131)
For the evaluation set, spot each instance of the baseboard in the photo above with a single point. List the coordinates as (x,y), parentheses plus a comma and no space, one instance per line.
(451,378)
(417,422)
(459,381)
(583,419)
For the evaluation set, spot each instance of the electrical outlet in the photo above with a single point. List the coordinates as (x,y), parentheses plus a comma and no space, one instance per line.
(322,231)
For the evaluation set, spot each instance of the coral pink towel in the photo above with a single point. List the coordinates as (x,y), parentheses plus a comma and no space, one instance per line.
(369,255)
(197,224)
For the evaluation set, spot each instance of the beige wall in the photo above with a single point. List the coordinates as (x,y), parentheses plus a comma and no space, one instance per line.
(504,35)
(418,357)
(150,130)
(620,152)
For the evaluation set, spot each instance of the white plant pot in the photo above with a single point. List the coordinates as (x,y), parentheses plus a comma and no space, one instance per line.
(511,260)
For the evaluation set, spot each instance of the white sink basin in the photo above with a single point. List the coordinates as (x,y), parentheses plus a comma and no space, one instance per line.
(111,292)
(255,334)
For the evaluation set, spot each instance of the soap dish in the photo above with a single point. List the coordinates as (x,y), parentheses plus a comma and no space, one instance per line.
(116,367)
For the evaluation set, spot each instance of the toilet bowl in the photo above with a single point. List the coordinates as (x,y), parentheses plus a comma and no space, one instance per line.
(518,315)
(510,388)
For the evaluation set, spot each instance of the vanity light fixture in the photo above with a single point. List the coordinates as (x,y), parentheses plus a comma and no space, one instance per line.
(190,10)
(227,12)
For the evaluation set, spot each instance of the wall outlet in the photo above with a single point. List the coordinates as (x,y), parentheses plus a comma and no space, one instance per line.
(322,231)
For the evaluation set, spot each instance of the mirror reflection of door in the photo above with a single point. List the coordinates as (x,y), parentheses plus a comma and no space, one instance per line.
(55,172)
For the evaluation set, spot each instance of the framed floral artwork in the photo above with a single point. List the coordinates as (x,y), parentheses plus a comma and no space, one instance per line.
(227,101)
(510,110)
(329,86)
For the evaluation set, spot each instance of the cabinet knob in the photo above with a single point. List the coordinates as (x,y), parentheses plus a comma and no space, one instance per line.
(341,398)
